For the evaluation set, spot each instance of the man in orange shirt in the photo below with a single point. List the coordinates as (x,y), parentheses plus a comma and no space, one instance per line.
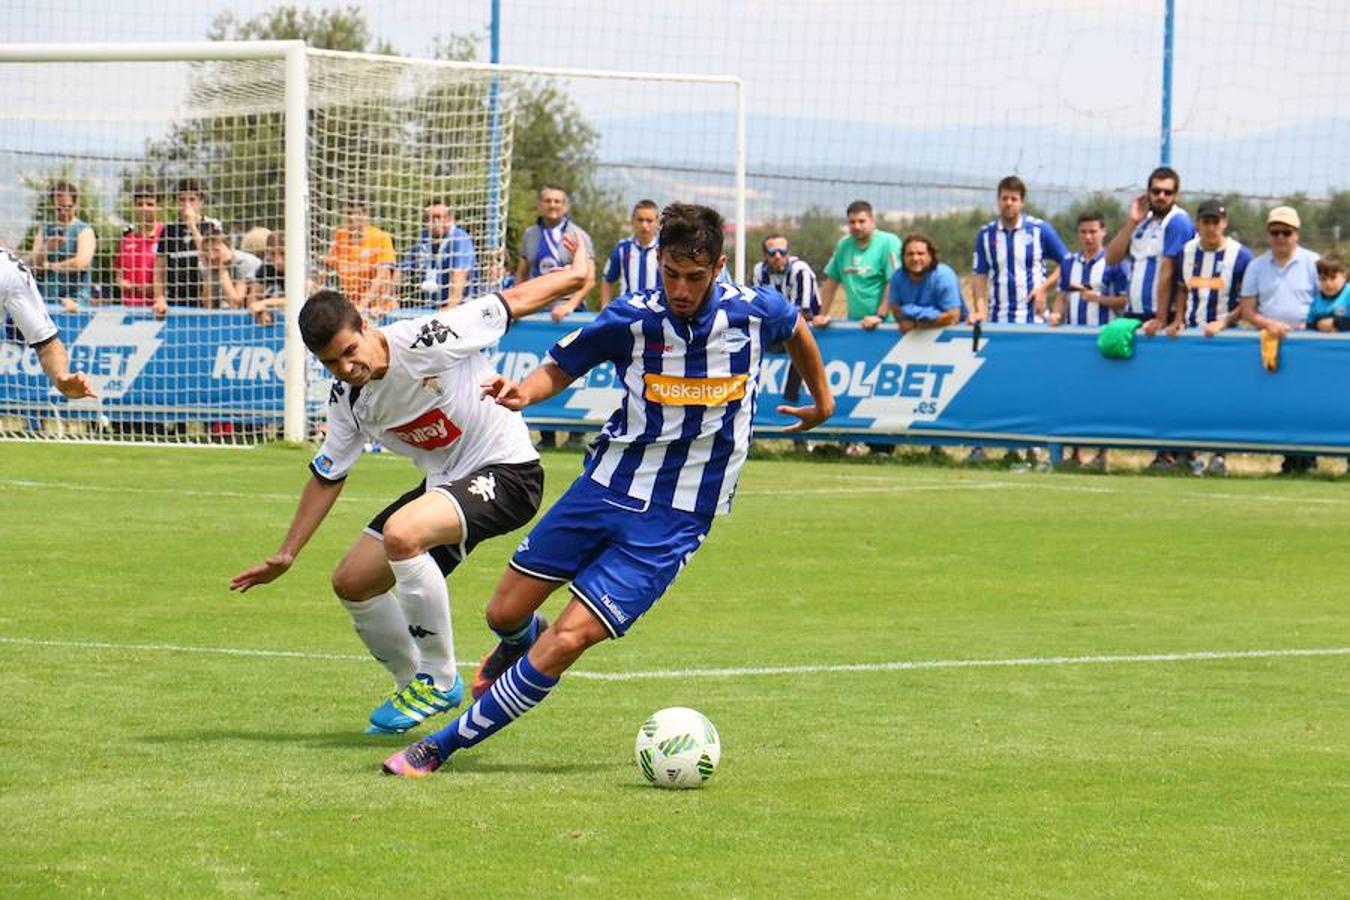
(363,257)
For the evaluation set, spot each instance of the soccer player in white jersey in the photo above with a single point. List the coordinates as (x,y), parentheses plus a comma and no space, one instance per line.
(632,263)
(415,386)
(689,358)
(22,302)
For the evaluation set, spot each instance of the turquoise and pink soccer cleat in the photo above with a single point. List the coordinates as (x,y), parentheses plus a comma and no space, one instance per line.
(414,704)
(417,760)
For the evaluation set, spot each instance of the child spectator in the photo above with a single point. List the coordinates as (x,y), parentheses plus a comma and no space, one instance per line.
(230,273)
(179,251)
(1330,310)
(269,289)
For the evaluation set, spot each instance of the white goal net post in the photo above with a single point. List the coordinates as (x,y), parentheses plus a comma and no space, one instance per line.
(223,181)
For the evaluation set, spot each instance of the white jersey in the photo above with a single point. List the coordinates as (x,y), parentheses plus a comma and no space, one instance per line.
(429,405)
(23,301)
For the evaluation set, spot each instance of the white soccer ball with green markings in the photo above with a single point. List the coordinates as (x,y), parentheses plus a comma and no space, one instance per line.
(677,747)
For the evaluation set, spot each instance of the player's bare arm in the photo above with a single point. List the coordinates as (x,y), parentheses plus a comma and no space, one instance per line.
(316,500)
(805,354)
(55,362)
(548,380)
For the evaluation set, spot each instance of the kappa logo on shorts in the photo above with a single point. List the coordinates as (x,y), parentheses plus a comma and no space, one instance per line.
(430,431)
(484,486)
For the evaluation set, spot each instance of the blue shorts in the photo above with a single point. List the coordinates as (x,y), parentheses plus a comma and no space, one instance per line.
(619,553)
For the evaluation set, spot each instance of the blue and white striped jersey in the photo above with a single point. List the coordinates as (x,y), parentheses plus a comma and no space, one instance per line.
(682,433)
(1013,259)
(1096,275)
(1153,239)
(797,282)
(634,266)
(1212,279)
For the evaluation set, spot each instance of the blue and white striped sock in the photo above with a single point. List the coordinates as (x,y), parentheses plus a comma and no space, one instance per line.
(524,633)
(520,689)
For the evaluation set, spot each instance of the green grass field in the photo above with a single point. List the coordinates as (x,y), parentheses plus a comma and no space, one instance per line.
(168,738)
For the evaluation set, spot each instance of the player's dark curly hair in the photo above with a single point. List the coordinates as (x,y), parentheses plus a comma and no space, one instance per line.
(324,314)
(692,232)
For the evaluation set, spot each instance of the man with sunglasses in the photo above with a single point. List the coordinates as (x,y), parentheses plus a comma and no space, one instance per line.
(794,278)
(1278,289)
(1156,231)
(1146,245)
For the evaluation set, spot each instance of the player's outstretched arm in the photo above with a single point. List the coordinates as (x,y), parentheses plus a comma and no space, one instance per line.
(548,380)
(805,354)
(535,294)
(55,362)
(316,500)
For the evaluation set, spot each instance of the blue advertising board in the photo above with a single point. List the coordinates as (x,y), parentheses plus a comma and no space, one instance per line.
(1022,384)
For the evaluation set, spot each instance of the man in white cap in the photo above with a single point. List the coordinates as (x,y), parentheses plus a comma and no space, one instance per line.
(1280,284)
(1277,290)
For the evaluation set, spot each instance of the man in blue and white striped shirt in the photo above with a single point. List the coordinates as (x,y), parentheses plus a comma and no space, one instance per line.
(1209,269)
(689,358)
(1147,245)
(790,275)
(1010,279)
(632,263)
(1090,291)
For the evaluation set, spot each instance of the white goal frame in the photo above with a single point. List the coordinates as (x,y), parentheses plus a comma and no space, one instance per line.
(296,178)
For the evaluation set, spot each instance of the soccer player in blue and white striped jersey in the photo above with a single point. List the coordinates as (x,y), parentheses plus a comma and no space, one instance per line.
(1209,269)
(1090,291)
(632,263)
(689,357)
(1010,279)
(1147,245)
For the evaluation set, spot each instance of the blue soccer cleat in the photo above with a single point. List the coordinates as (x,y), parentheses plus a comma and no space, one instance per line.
(416,702)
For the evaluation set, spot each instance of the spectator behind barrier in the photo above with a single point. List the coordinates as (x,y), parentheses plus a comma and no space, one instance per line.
(363,258)
(434,272)
(1090,291)
(230,273)
(542,250)
(1330,310)
(632,263)
(179,265)
(925,292)
(1147,245)
(134,265)
(1010,281)
(1209,268)
(63,250)
(863,262)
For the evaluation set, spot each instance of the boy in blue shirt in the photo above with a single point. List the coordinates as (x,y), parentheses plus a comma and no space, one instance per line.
(1330,310)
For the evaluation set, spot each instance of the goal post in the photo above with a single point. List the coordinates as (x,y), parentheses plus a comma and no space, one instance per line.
(312,168)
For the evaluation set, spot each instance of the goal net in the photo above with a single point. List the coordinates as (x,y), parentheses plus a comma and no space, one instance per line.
(405,183)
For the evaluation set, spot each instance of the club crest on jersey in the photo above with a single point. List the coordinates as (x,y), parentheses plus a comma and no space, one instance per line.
(433,332)
(735,340)
(674,390)
(430,431)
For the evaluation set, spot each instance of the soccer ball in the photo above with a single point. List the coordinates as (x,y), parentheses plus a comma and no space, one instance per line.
(677,748)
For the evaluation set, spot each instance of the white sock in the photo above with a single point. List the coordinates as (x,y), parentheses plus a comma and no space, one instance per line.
(426,605)
(383,629)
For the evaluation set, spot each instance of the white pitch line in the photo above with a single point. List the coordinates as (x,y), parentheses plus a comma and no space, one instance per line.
(896,666)
(896,487)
